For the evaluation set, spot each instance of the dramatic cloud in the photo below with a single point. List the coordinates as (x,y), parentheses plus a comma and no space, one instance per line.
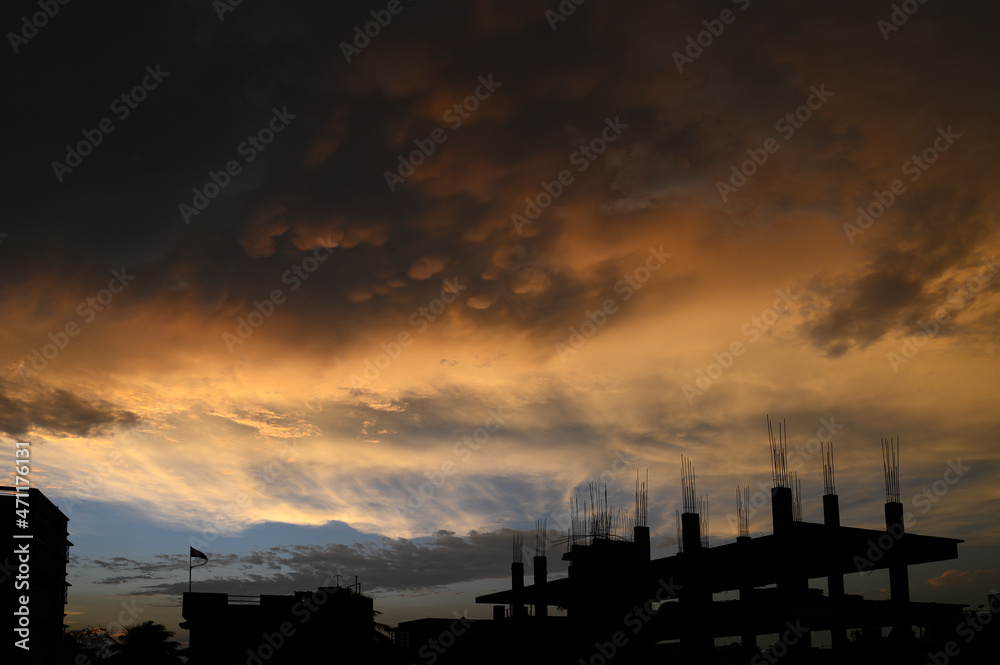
(445,279)
(390,565)
(57,411)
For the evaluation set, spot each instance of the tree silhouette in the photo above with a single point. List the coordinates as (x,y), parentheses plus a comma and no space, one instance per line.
(147,643)
(91,643)
(381,632)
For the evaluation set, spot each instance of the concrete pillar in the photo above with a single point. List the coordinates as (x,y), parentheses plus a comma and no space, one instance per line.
(695,594)
(640,535)
(748,638)
(835,579)
(517,589)
(541,580)
(792,585)
(781,510)
(899,578)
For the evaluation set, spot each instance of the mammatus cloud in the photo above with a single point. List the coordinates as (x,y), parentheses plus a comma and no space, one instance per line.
(357,381)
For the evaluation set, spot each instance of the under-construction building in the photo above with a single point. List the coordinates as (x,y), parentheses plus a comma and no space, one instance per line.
(620,604)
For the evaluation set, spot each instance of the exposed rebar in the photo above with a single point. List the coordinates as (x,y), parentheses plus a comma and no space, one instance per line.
(890,467)
(540,535)
(743,511)
(703,519)
(641,500)
(829,482)
(796,497)
(688,485)
(680,539)
(779,455)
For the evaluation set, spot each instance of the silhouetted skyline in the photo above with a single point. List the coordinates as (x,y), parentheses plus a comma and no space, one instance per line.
(362,288)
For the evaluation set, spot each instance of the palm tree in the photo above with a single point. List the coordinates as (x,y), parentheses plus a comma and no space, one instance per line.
(381,633)
(147,643)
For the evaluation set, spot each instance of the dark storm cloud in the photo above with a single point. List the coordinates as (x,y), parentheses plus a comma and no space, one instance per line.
(899,289)
(323,176)
(56,412)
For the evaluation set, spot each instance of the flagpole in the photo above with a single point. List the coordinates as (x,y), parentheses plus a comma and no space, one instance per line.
(192,552)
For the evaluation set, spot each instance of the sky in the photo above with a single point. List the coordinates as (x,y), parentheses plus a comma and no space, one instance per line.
(359,288)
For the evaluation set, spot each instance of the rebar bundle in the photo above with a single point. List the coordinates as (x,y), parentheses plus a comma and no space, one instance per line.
(703,519)
(743,511)
(829,484)
(680,539)
(641,500)
(599,519)
(688,485)
(779,455)
(540,528)
(890,467)
(796,497)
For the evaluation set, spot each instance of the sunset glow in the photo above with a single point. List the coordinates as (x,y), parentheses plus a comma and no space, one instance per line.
(367,309)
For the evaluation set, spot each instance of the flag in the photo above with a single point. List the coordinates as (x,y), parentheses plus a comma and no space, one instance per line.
(195,554)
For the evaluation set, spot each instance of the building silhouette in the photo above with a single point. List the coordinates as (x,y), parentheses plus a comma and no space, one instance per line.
(331,624)
(620,604)
(37,575)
